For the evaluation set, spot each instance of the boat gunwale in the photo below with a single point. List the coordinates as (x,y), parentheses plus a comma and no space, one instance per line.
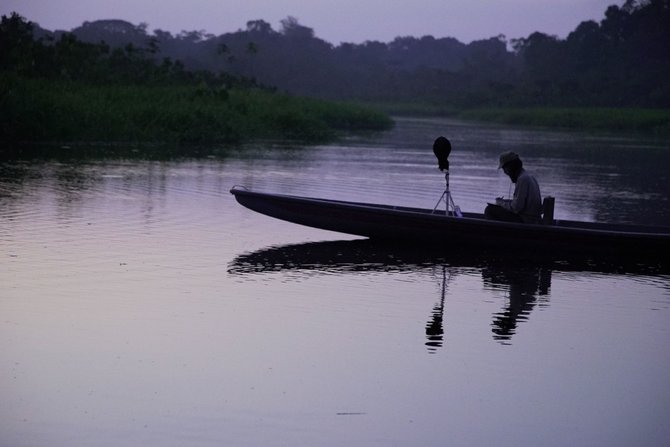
(559,226)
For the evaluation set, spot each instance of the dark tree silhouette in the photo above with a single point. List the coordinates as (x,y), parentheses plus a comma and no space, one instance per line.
(623,60)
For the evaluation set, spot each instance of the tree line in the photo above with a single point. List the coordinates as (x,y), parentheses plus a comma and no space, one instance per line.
(621,61)
(57,88)
(28,51)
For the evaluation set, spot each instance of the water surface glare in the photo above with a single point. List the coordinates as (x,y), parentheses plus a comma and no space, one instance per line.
(141,305)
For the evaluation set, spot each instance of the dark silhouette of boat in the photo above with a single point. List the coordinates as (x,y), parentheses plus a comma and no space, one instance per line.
(439,228)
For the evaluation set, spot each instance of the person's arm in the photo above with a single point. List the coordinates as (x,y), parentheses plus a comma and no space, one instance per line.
(505,203)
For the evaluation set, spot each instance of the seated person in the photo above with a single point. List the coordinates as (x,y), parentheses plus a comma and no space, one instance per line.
(526,205)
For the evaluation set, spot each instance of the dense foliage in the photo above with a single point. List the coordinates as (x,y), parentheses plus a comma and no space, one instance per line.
(61,110)
(110,80)
(60,89)
(622,61)
(31,53)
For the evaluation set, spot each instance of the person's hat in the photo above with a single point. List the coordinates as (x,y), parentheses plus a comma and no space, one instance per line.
(507,157)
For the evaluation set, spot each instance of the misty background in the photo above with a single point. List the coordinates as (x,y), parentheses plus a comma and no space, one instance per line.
(621,61)
(336,22)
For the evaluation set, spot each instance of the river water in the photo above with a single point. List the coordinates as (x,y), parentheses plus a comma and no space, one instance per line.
(141,305)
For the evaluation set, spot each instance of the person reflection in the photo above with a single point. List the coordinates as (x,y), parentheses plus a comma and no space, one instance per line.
(526,286)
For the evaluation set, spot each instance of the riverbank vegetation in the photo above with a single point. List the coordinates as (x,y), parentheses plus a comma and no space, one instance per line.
(626,119)
(67,111)
(656,121)
(110,79)
(620,61)
(68,91)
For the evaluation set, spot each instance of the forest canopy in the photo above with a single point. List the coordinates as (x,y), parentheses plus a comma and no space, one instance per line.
(621,61)
(58,88)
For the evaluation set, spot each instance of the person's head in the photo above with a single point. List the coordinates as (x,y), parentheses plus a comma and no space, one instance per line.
(511,164)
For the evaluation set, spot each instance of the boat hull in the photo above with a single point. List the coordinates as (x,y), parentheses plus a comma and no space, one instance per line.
(435,228)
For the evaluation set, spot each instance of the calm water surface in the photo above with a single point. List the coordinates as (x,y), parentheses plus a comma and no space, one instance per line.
(140,305)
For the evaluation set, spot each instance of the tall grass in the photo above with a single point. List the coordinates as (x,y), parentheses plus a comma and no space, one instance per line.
(59,111)
(655,121)
(413,109)
(629,119)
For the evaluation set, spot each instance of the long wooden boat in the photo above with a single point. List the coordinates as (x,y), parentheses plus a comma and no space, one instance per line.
(437,228)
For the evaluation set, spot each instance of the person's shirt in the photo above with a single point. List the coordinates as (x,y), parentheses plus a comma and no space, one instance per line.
(527,201)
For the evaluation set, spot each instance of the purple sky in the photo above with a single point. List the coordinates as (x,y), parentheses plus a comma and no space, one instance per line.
(334,21)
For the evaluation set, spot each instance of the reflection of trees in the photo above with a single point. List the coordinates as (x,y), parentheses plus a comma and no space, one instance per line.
(526,285)
(71,183)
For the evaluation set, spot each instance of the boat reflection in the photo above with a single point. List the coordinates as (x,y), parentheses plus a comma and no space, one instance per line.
(526,282)
(359,255)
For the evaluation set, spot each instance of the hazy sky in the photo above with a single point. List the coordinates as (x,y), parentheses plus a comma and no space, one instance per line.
(334,21)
